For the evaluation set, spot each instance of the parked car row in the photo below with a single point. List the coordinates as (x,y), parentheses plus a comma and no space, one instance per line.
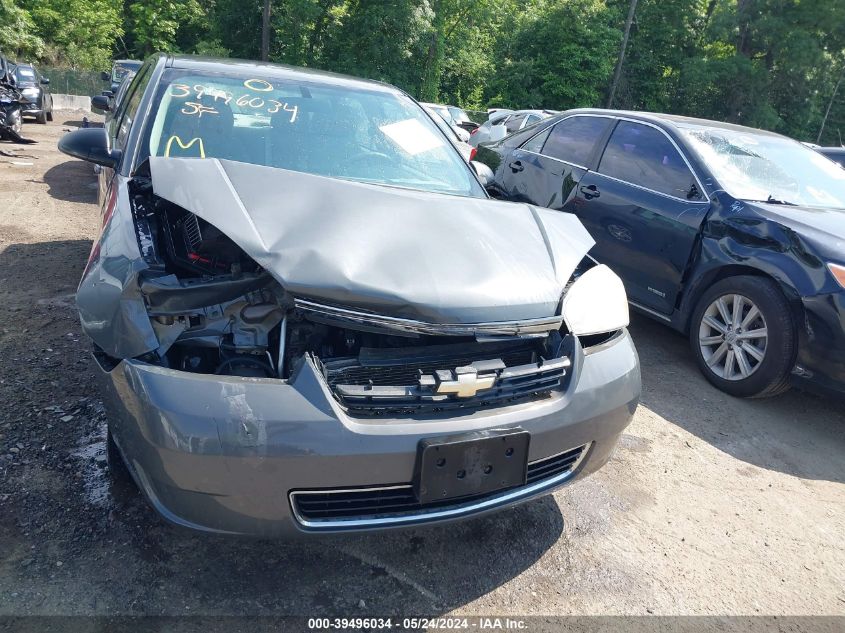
(500,123)
(322,315)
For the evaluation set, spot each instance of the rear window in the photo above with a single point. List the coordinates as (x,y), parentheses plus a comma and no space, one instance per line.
(515,123)
(353,133)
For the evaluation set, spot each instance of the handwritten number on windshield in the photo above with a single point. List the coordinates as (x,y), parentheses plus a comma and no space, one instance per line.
(194,108)
(199,109)
(259,85)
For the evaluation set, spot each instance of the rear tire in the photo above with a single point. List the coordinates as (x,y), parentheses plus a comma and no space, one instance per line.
(743,337)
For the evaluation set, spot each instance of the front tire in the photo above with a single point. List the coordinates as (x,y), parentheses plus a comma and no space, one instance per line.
(743,338)
(41,117)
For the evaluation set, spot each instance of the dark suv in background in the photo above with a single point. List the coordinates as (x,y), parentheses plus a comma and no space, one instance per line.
(729,234)
(36,90)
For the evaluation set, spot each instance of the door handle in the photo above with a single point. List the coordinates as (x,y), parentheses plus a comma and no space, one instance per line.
(516,166)
(590,191)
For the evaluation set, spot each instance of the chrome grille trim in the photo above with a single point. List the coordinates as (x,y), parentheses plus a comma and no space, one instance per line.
(514,495)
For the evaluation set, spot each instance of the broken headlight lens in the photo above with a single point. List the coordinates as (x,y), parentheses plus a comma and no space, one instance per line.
(595,303)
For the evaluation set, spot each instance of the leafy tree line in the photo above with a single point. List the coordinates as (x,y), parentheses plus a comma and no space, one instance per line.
(775,64)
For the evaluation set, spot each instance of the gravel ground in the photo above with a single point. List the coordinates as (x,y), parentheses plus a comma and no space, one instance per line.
(711,505)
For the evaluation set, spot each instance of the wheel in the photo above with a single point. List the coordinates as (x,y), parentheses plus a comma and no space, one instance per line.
(41,117)
(17,125)
(50,113)
(743,338)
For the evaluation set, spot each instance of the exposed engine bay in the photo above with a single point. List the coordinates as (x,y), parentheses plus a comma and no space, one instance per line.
(403,301)
(215,310)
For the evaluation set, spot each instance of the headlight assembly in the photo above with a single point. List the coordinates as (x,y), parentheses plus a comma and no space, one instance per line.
(595,303)
(838,273)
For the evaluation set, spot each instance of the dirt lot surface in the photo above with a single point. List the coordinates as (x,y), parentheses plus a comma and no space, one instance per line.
(711,505)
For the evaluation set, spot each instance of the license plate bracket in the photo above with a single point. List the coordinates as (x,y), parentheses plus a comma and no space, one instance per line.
(470,464)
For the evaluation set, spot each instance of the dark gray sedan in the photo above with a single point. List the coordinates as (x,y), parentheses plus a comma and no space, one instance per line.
(310,317)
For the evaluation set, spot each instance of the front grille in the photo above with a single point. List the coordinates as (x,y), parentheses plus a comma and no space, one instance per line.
(370,505)
(429,379)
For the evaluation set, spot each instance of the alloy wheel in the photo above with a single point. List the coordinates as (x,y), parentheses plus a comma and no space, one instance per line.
(733,337)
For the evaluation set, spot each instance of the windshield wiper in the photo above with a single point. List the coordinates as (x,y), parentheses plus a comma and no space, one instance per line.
(773,200)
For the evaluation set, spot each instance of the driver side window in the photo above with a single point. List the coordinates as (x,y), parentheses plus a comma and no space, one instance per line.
(644,156)
(122,121)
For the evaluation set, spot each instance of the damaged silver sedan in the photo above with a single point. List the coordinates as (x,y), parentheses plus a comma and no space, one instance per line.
(310,317)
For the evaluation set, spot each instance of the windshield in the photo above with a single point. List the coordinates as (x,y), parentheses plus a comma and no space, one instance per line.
(458,114)
(354,133)
(119,72)
(25,75)
(768,168)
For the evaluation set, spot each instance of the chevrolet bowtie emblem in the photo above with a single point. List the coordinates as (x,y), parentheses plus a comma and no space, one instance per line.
(466,382)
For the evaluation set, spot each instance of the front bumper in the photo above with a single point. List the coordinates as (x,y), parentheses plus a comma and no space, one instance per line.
(223,454)
(31,108)
(820,365)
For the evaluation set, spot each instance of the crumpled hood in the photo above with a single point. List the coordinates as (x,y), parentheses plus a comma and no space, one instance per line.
(397,252)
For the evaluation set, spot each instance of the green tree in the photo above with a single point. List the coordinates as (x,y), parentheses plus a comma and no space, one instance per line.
(556,54)
(17,31)
(154,24)
(80,33)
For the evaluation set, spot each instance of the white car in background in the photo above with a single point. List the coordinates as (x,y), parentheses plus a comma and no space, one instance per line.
(503,122)
(451,132)
(446,114)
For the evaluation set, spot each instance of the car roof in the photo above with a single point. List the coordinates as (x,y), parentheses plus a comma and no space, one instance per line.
(831,150)
(672,120)
(222,65)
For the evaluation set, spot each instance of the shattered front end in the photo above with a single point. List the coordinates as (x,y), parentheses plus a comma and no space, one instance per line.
(277,347)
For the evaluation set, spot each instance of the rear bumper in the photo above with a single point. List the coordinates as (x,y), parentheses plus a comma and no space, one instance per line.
(224,454)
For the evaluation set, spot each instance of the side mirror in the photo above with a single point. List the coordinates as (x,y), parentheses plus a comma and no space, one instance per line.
(497,132)
(484,173)
(101,102)
(105,76)
(90,144)
(45,81)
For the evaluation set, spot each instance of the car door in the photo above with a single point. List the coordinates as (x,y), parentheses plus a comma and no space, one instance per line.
(644,207)
(546,169)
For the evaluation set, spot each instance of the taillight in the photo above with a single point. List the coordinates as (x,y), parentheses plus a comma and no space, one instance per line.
(472,153)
